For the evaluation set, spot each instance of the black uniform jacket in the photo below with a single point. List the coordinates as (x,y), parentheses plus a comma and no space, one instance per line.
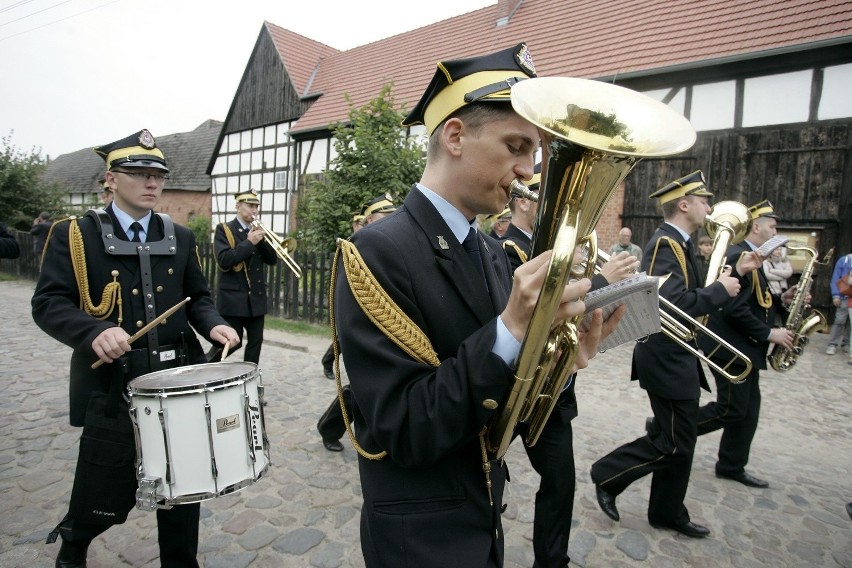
(743,322)
(662,366)
(426,503)
(56,301)
(241,293)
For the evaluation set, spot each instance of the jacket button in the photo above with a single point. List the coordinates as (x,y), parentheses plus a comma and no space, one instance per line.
(140,324)
(159,288)
(135,292)
(489,404)
(171,271)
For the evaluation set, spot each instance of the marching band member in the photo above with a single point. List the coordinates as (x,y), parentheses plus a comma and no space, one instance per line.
(671,375)
(747,323)
(105,276)
(242,255)
(430,358)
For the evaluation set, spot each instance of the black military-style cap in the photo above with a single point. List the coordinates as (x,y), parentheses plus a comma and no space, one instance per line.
(460,82)
(379,204)
(136,151)
(762,209)
(249,196)
(692,184)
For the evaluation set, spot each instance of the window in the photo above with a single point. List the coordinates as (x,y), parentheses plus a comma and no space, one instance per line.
(280,180)
(777,99)
(676,97)
(713,105)
(836,101)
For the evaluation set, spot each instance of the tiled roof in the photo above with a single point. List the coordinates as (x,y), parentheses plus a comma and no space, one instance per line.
(187,154)
(301,56)
(597,39)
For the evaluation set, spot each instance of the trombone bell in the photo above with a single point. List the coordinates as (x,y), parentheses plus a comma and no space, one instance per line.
(282,247)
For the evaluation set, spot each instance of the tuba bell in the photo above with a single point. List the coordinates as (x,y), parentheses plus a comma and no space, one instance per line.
(592,135)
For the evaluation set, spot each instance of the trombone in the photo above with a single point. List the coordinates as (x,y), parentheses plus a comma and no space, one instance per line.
(282,247)
(680,333)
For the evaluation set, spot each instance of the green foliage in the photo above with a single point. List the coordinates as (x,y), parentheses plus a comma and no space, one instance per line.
(23,194)
(200,227)
(373,156)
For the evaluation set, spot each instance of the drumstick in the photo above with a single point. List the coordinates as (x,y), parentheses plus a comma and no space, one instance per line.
(225,350)
(148,327)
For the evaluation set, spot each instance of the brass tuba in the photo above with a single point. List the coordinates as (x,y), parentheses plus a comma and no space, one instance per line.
(800,321)
(282,247)
(592,134)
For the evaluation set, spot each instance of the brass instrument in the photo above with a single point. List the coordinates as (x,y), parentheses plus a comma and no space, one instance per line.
(801,322)
(592,134)
(282,247)
(727,224)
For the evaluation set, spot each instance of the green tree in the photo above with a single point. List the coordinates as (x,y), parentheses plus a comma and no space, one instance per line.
(373,157)
(23,194)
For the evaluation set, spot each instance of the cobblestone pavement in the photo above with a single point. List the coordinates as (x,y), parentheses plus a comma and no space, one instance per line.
(306,511)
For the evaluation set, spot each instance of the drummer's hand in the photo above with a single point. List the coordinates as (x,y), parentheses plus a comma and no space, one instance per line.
(223,333)
(111,344)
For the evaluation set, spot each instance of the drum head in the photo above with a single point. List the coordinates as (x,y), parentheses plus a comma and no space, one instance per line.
(192,377)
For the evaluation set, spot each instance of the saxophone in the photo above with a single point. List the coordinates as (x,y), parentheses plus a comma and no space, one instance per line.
(801,320)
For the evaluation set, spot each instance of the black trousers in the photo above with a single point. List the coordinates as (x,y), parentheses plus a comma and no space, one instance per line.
(667,456)
(552,457)
(736,410)
(331,425)
(177,534)
(254,338)
(328,359)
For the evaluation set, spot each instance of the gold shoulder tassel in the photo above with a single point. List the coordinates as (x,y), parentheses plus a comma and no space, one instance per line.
(112,291)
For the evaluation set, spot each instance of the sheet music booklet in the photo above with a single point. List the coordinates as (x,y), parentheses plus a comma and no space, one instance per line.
(641,294)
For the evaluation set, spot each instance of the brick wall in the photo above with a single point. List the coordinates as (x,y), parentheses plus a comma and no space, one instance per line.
(179,204)
(610,221)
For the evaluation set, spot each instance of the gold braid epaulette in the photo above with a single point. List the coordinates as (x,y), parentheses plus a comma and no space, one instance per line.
(112,291)
(230,236)
(678,252)
(383,312)
(511,244)
(764,299)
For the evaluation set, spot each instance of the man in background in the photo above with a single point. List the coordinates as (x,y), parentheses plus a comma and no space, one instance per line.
(242,255)
(39,231)
(624,244)
(840,327)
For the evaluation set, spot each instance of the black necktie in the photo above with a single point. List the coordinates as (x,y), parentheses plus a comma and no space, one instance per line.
(137,230)
(471,246)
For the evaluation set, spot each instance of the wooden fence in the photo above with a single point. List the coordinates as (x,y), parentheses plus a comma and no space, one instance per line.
(302,299)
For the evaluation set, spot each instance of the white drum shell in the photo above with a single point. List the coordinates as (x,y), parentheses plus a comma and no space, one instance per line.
(174,433)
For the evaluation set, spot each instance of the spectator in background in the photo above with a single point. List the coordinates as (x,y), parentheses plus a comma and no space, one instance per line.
(705,251)
(840,327)
(778,269)
(106,192)
(624,245)
(39,230)
(9,247)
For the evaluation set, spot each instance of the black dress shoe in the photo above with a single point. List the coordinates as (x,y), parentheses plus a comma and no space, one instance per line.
(606,501)
(72,554)
(745,479)
(333,445)
(689,529)
(329,374)
(651,427)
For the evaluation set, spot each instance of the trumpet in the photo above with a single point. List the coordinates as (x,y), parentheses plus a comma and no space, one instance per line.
(282,247)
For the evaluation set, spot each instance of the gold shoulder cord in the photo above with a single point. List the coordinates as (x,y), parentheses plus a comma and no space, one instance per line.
(511,244)
(764,297)
(112,291)
(678,252)
(385,315)
(230,236)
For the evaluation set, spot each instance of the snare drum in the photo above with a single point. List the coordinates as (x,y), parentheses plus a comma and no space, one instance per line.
(199,432)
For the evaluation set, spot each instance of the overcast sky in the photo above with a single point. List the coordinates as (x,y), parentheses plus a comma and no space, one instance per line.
(80,73)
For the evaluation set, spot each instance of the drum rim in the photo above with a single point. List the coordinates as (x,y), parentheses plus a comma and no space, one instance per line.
(236,379)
